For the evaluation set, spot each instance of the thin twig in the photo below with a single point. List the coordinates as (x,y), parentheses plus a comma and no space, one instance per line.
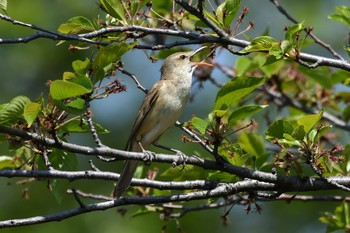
(312,35)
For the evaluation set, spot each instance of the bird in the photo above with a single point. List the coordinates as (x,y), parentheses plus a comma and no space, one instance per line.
(161,108)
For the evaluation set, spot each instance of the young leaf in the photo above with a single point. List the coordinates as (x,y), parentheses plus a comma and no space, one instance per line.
(342,15)
(31,111)
(200,124)
(261,43)
(3,5)
(80,126)
(76,25)
(235,90)
(114,8)
(293,30)
(81,67)
(244,112)
(60,90)
(6,162)
(227,11)
(309,121)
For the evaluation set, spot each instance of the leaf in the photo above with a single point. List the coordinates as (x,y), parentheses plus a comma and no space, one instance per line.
(278,129)
(109,55)
(200,124)
(261,43)
(235,90)
(81,67)
(114,8)
(80,126)
(66,161)
(14,109)
(190,172)
(244,112)
(252,143)
(31,111)
(309,121)
(6,162)
(227,11)
(76,25)
(293,30)
(3,5)
(342,15)
(60,90)
(223,177)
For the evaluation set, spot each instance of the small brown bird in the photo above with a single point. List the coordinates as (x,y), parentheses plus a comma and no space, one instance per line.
(161,108)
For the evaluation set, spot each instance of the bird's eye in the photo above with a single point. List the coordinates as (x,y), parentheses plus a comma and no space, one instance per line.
(183,57)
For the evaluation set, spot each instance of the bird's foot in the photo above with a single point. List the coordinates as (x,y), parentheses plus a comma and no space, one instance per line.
(148,156)
(181,159)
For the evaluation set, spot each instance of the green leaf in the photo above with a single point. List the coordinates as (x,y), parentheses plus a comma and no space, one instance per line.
(31,111)
(223,177)
(76,25)
(278,129)
(235,90)
(293,30)
(81,67)
(114,8)
(60,90)
(299,133)
(309,121)
(200,124)
(342,15)
(83,81)
(6,162)
(190,172)
(252,143)
(227,11)
(244,112)
(3,5)
(261,43)
(64,161)
(14,109)
(80,126)
(109,55)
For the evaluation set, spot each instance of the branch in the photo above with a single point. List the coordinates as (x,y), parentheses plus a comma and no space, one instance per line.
(284,183)
(223,190)
(312,35)
(284,100)
(192,38)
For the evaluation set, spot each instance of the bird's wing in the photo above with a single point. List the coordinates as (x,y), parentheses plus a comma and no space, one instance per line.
(150,98)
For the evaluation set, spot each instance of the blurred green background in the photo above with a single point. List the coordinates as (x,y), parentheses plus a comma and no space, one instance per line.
(25,68)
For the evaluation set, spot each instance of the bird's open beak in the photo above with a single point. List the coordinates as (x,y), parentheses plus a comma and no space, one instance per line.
(194,63)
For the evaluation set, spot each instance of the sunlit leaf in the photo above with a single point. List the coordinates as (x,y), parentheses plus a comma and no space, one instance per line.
(261,43)
(235,90)
(31,111)
(76,25)
(200,124)
(309,121)
(60,90)
(81,67)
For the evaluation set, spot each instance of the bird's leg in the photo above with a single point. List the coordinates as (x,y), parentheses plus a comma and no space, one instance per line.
(148,154)
(182,159)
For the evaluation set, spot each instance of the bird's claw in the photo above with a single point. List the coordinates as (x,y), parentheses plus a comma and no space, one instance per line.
(148,156)
(181,159)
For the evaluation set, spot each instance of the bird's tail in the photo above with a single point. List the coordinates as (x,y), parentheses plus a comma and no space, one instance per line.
(125,178)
